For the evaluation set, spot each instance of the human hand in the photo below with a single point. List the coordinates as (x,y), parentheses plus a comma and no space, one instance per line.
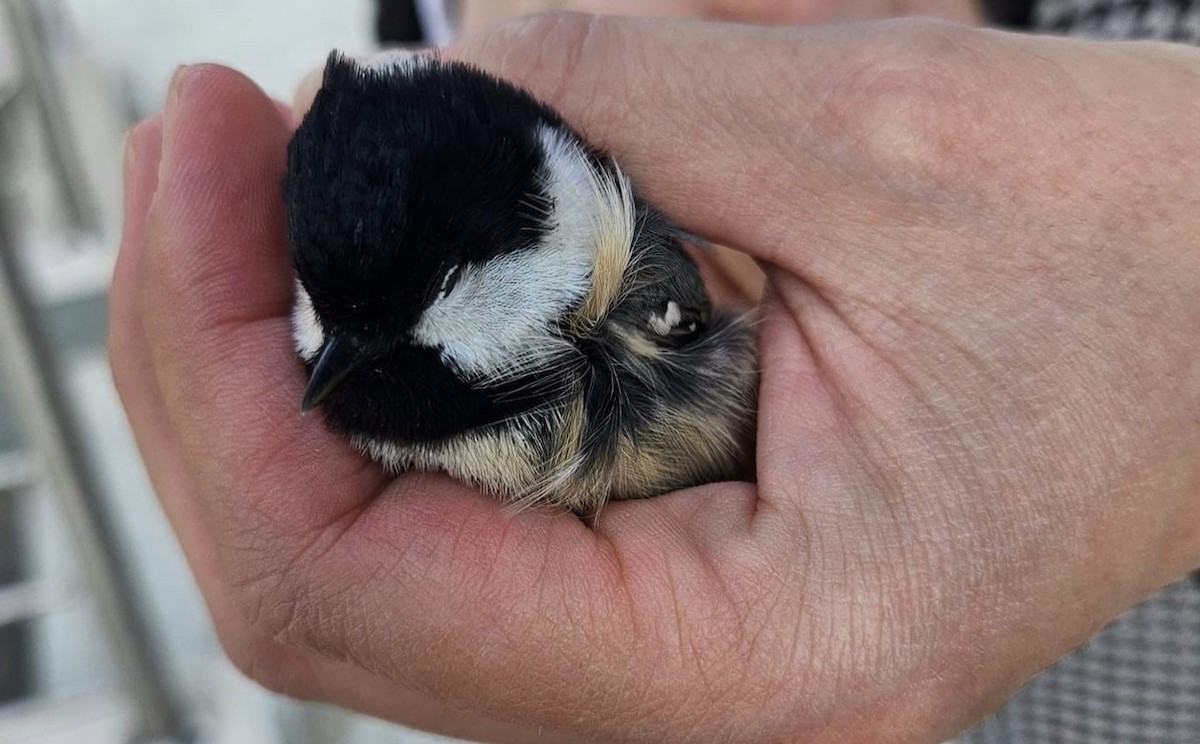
(479,13)
(979,413)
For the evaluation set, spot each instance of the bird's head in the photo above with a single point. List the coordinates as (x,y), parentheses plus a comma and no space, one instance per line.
(448,234)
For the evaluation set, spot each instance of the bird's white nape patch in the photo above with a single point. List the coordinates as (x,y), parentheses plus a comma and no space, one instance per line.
(306,328)
(398,60)
(500,318)
(596,206)
(665,323)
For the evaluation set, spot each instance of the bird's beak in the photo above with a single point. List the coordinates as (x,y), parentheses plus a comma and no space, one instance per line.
(338,358)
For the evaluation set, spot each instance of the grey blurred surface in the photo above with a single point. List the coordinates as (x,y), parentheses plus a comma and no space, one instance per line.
(1138,681)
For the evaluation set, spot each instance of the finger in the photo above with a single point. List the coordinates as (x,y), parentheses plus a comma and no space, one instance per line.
(729,275)
(679,128)
(129,357)
(134,377)
(218,291)
(137,386)
(281,668)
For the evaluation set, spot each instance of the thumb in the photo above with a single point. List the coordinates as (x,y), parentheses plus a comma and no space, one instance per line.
(714,122)
(808,148)
(791,144)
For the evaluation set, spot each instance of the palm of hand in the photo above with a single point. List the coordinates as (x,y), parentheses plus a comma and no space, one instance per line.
(927,417)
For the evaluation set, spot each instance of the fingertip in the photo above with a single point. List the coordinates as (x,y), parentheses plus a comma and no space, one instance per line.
(143,149)
(306,92)
(202,95)
(707,118)
(223,143)
(541,52)
(142,155)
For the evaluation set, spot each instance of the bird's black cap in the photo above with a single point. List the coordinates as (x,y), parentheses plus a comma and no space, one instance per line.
(392,176)
(398,173)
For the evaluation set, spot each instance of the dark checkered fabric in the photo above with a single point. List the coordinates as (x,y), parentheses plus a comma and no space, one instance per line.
(1168,20)
(1137,682)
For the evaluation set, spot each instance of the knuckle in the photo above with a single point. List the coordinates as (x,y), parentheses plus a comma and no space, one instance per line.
(288,604)
(557,56)
(272,602)
(551,30)
(277,668)
(910,107)
(266,587)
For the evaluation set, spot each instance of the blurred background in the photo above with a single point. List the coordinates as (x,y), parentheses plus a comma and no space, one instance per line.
(103,636)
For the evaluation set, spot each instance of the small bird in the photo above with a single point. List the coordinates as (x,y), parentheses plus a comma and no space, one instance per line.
(482,292)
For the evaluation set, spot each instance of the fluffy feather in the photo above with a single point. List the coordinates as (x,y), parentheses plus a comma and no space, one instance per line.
(517,316)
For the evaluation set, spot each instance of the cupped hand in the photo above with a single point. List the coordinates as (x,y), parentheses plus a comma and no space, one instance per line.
(979,413)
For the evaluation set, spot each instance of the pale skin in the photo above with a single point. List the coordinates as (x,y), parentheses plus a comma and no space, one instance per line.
(979,418)
(478,13)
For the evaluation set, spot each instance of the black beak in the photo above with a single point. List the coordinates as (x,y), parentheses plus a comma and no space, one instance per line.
(338,358)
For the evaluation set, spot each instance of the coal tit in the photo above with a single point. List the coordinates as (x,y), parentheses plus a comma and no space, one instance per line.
(480,291)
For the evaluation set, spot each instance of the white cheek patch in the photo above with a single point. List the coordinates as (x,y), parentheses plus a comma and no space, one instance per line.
(306,329)
(500,318)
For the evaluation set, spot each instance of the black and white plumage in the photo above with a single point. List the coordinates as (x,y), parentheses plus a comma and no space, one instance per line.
(480,291)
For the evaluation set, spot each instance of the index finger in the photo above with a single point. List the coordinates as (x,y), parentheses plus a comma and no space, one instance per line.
(219,277)
(730,275)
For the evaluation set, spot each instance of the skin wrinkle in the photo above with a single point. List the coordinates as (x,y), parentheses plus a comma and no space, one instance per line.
(454,547)
(330,619)
(374,624)
(312,529)
(677,639)
(892,507)
(322,645)
(779,666)
(277,611)
(1020,531)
